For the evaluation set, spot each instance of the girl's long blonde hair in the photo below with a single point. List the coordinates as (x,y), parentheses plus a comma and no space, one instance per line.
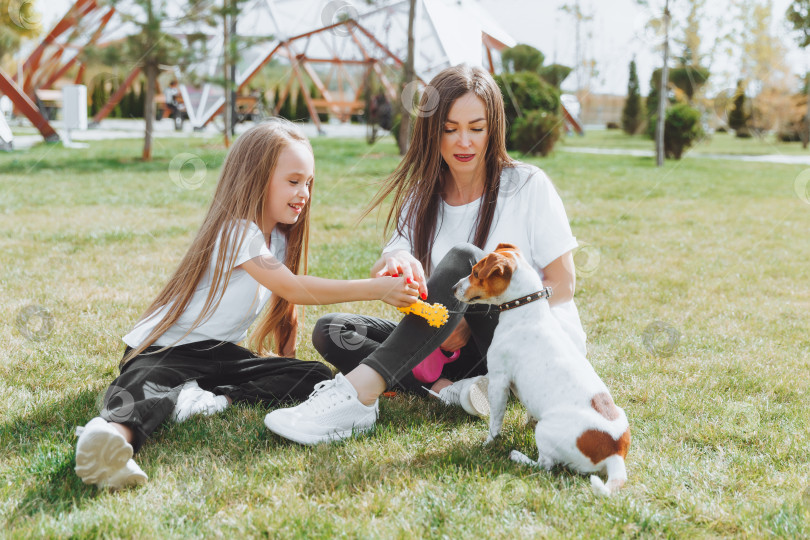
(240,195)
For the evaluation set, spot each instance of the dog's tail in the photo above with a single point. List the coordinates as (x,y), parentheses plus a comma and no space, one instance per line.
(617,476)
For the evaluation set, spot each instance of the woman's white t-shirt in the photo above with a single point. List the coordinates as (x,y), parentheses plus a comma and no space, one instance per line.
(242,301)
(529,214)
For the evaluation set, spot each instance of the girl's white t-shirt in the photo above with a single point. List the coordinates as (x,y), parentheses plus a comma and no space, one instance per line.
(242,301)
(529,214)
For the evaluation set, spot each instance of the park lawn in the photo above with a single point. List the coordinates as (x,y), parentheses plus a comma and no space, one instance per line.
(714,143)
(693,289)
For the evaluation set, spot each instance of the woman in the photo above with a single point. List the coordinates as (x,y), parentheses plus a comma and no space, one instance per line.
(456,195)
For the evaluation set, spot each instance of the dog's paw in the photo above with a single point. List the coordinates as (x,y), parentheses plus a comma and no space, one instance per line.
(489,440)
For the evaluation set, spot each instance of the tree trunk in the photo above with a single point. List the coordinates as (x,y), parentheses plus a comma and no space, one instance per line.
(151,72)
(662,94)
(232,74)
(226,49)
(404,139)
(806,137)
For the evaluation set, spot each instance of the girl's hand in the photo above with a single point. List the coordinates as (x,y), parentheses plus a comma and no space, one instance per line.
(459,337)
(401,263)
(399,292)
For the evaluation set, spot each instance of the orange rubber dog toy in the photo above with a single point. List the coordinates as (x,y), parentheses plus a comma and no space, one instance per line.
(435,314)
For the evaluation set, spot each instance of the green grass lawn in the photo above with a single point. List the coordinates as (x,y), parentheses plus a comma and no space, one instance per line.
(693,289)
(715,143)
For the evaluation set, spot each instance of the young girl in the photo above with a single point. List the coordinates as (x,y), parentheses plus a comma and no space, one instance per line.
(456,195)
(258,218)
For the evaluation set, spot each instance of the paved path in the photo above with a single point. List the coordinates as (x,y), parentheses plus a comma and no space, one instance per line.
(767,158)
(117,128)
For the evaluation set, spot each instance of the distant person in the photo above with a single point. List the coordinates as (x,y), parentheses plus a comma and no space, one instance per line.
(183,358)
(172,94)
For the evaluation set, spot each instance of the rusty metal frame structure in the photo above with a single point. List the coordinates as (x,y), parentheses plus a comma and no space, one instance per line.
(48,62)
(45,65)
(301,64)
(374,56)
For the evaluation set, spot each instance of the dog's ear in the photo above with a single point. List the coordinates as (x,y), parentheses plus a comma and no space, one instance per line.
(498,265)
(506,247)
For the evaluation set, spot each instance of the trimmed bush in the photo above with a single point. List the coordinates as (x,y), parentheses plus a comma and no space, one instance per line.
(792,132)
(739,116)
(681,129)
(522,57)
(744,133)
(554,74)
(536,132)
(526,92)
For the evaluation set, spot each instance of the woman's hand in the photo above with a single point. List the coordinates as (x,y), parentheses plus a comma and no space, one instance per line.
(459,337)
(401,263)
(399,292)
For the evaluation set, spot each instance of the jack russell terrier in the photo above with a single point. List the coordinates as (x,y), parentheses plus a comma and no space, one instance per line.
(578,424)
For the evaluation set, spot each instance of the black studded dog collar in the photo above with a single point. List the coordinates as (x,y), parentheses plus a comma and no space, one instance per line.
(545,292)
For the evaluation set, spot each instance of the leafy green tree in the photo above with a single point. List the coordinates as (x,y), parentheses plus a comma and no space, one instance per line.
(152,45)
(301,110)
(99,94)
(798,15)
(405,127)
(17,20)
(632,114)
(652,102)
(286,110)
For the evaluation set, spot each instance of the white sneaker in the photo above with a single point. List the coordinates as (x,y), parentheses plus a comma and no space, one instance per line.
(331,413)
(471,394)
(193,400)
(104,457)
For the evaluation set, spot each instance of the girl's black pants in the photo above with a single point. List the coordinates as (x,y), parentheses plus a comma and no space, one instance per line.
(146,391)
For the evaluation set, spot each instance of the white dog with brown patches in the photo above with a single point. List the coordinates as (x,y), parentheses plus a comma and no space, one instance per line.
(578,425)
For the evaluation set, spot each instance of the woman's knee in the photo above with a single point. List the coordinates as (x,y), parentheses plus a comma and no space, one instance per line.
(324,330)
(457,263)
(464,252)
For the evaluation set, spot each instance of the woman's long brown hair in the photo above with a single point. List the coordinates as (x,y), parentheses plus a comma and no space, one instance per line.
(417,181)
(240,195)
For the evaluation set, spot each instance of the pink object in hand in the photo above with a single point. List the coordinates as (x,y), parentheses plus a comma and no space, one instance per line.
(430,368)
